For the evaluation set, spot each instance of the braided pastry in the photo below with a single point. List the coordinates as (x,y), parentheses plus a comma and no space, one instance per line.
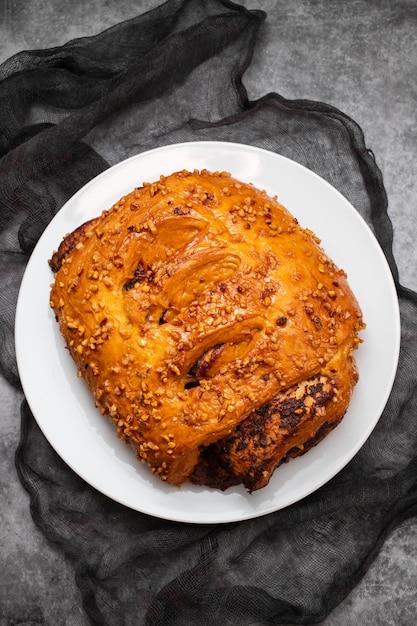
(210,326)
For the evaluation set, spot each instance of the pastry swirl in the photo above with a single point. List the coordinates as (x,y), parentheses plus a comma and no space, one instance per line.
(210,327)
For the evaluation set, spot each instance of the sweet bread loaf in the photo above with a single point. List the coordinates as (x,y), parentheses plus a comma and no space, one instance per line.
(210,326)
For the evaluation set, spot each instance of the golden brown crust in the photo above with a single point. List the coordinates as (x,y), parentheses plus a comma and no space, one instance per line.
(287,426)
(191,304)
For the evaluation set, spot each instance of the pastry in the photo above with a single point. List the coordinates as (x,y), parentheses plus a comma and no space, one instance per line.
(210,327)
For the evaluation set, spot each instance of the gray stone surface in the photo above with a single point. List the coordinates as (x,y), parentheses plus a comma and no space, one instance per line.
(360,56)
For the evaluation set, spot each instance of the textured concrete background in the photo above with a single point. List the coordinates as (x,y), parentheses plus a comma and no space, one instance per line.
(358,55)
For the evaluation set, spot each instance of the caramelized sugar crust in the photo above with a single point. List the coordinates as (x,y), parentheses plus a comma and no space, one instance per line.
(210,326)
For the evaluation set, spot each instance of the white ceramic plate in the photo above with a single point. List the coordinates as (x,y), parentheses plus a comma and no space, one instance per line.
(87,442)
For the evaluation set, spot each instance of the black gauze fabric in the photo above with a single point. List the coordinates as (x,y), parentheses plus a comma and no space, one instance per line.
(68,113)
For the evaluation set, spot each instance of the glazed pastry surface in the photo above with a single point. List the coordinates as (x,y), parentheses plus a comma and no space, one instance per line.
(210,327)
